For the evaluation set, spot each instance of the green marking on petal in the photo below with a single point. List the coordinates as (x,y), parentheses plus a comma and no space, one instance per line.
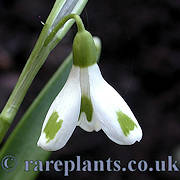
(86,107)
(126,123)
(52,126)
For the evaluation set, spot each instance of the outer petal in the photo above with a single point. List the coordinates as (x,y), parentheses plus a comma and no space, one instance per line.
(116,118)
(87,119)
(63,114)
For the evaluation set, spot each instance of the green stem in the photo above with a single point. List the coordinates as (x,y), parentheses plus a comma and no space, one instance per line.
(34,63)
(79,23)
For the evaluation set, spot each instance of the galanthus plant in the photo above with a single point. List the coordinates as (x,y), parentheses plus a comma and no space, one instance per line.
(88,101)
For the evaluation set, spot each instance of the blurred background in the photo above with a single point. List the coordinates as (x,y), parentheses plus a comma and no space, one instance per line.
(140,59)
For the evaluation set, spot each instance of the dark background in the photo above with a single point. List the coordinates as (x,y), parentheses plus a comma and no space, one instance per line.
(140,58)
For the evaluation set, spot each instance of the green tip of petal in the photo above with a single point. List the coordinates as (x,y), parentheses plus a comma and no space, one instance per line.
(52,126)
(126,123)
(86,107)
(84,49)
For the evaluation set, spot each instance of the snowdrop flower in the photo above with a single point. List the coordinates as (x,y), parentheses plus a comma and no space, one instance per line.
(88,101)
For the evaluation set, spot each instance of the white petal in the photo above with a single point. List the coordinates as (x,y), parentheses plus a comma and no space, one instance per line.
(108,104)
(67,106)
(91,123)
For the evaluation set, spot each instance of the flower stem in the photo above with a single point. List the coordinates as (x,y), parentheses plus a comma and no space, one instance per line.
(79,23)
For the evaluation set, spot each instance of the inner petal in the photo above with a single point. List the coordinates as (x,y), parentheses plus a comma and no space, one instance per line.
(87,118)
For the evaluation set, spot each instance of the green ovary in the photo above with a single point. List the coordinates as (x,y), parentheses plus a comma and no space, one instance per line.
(84,50)
(52,126)
(126,123)
(86,107)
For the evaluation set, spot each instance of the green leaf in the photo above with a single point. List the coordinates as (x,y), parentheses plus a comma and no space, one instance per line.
(22,142)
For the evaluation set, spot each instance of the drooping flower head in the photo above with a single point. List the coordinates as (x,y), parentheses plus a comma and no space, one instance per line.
(88,101)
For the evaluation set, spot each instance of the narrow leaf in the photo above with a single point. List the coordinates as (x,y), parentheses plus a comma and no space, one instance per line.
(22,142)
